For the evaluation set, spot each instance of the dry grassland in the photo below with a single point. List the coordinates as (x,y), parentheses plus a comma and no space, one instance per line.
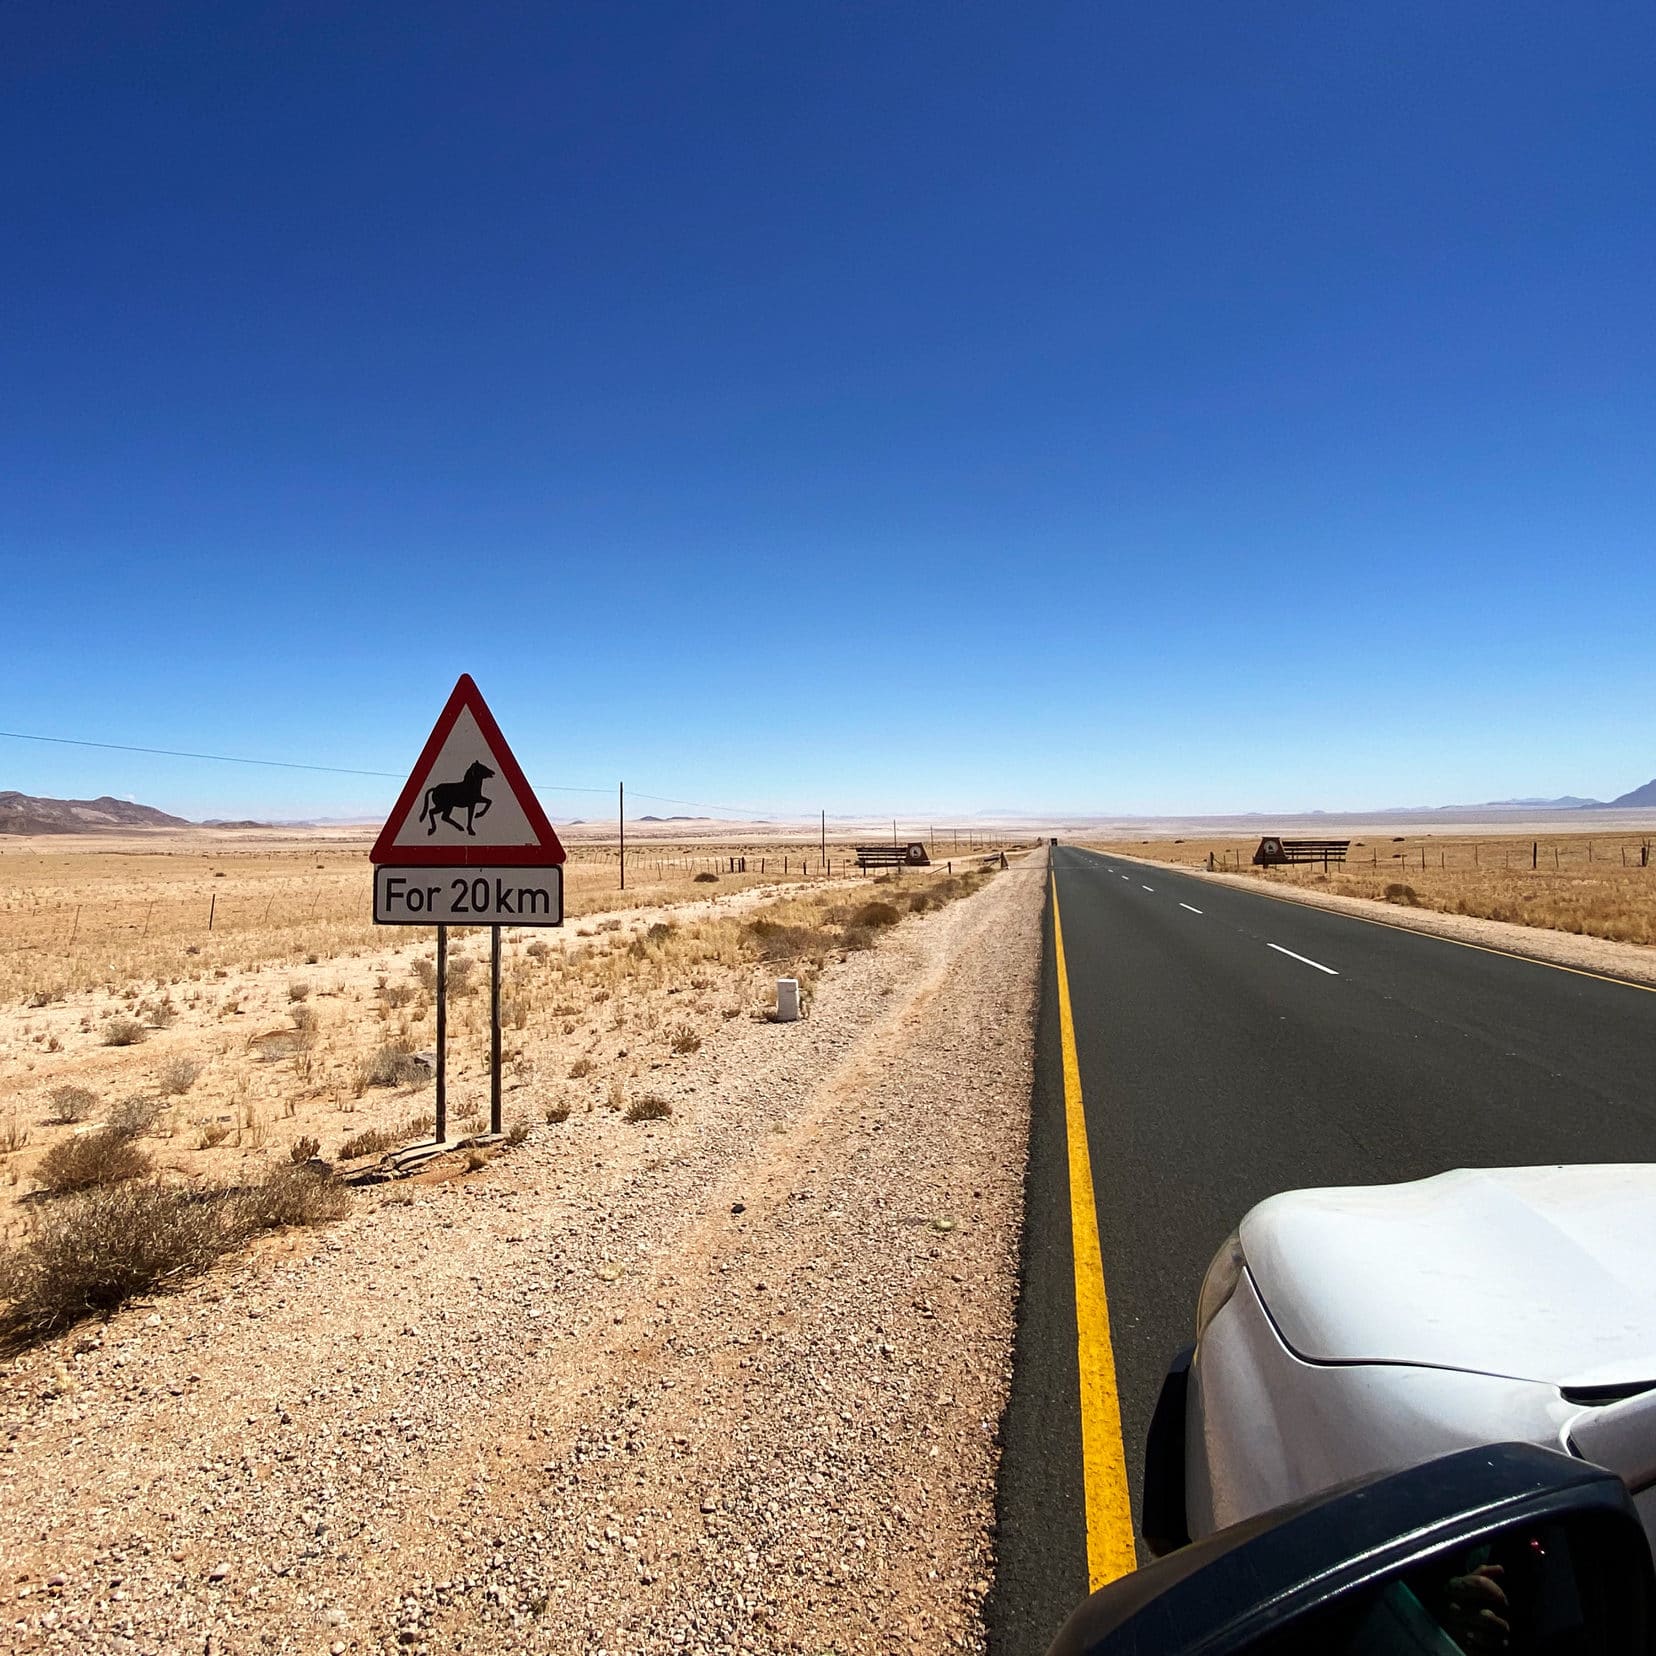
(292,1026)
(1592,884)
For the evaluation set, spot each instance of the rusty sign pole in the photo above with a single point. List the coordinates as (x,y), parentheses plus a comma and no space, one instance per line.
(494,1030)
(442,1033)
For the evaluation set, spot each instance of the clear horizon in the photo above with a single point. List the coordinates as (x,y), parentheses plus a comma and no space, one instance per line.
(905,411)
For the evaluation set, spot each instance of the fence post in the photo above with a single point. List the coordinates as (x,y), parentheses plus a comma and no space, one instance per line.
(212,904)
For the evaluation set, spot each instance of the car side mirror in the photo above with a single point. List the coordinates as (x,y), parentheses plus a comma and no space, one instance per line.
(1508,1548)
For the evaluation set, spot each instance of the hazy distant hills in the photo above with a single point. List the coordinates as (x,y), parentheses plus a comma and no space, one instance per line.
(25,814)
(1639,796)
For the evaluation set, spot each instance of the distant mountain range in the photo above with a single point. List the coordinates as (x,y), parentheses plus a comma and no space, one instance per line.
(25,814)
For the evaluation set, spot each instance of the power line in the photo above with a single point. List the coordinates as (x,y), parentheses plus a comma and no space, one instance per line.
(347,770)
(238,759)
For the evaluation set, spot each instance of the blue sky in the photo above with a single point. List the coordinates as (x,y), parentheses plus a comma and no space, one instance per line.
(909,408)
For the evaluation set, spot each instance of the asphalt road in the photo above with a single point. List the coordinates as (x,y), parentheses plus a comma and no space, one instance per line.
(1229,1046)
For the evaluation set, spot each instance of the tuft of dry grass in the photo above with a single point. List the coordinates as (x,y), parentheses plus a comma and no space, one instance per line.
(375,1141)
(872,915)
(650,1108)
(177,1076)
(122,1031)
(393,1065)
(581,1067)
(517,1132)
(555,1113)
(136,1117)
(293,1195)
(14,1135)
(684,1040)
(304,1149)
(98,1158)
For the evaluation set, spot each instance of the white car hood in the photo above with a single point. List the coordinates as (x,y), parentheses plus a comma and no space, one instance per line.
(1535,1273)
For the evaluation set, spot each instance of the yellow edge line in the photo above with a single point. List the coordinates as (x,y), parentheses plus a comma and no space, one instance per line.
(1417,931)
(1110,1550)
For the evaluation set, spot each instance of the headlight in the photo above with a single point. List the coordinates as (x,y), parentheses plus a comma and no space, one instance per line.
(1220,1282)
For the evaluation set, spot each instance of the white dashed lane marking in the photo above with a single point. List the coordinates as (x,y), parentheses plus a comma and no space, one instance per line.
(1302,959)
(1192,910)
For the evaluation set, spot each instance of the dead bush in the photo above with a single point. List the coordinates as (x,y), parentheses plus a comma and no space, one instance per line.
(685,1040)
(304,1149)
(123,1031)
(538,950)
(660,931)
(856,937)
(393,1065)
(556,1113)
(72,1104)
(873,915)
(396,994)
(298,989)
(90,1252)
(425,975)
(292,1195)
(177,1076)
(303,1019)
(162,1016)
(581,1066)
(460,970)
(517,1132)
(705,878)
(1396,892)
(88,1159)
(135,1117)
(651,1108)
(212,1135)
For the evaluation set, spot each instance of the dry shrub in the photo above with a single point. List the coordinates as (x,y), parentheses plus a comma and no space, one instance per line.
(298,989)
(651,1108)
(123,1031)
(460,970)
(685,1040)
(514,1012)
(72,1104)
(91,1252)
(304,1149)
(162,1016)
(292,1195)
(393,1065)
(660,931)
(617,1095)
(581,1066)
(425,975)
(177,1076)
(705,878)
(856,937)
(14,1136)
(538,950)
(213,1134)
(396,994)
(1405,894)
(88,1159)
(303,1019)
(135,1117)
(477,1160)
(872,915)
(517,1132)
(555,1113)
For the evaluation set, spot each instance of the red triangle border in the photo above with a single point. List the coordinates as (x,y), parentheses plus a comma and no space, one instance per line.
(466,697)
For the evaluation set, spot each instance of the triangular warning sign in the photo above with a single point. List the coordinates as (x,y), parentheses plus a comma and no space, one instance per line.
(466,803)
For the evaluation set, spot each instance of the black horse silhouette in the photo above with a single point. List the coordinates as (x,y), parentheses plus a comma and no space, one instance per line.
(443,797)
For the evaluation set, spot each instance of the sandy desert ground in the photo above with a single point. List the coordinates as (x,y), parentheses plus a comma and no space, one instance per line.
(672,1378)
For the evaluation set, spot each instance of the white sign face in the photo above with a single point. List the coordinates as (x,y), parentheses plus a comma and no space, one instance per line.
(464,799)
(468,896)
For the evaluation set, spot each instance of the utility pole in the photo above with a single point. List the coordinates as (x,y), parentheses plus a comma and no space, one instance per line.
(825,838)
(621,820)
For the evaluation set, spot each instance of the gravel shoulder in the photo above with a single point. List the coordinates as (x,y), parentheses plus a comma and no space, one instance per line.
(726,1381)
(1586,954)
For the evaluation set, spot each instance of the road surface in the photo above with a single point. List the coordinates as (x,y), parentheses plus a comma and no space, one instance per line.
(1228,1045)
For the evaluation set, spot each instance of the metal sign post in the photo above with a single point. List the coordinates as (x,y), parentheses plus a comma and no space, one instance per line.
(467,844)
(494,1030)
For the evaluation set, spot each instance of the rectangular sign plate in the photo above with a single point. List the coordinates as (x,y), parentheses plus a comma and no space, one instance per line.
(468,896)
